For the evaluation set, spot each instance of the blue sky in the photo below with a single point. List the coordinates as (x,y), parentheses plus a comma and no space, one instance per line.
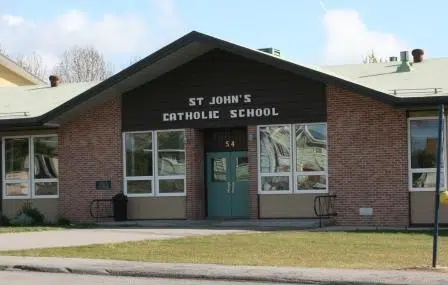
(309,31)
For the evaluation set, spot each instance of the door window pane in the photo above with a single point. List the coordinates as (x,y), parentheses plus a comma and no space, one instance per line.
(275,183)
(46,188)
(242,169)
(171,163)
(311,147)
(275,149)
(171,186)
(17,159)
(139,186)
(17,189)
(311,182)
(139,154)
(219,169)
(45,157)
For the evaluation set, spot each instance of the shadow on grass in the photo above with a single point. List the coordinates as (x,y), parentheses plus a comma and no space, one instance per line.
(429,232)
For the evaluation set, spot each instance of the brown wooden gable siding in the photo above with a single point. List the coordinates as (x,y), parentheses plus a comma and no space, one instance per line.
(219,73)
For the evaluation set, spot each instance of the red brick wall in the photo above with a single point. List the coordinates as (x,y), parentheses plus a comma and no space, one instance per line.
(194,151)
(367,157)
(253,171)
(90,149)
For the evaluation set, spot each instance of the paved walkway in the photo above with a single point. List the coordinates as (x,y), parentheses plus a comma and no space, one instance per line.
(78,237)
(222,272)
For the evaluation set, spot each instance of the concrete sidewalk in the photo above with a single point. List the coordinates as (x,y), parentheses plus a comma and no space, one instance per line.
(222,272)
(79,237)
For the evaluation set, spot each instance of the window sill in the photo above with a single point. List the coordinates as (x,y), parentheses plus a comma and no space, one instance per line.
(30,197)
(155,196)
(293,192)
(424,190)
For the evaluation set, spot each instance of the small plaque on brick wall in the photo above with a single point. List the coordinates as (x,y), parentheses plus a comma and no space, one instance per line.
(103,185)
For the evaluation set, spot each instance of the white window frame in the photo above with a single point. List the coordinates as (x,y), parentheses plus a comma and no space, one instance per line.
(31,181)
(138,178)
(169,177)
(293,173)
(278,174)
(426,170)
(155,177)
(308,173)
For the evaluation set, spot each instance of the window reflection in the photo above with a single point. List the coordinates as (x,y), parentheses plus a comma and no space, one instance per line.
(45,159)
(311,147)
(275,183)
(424,143)
(242,168)
(139,154)
(275,149)
(17,159)
(219,168)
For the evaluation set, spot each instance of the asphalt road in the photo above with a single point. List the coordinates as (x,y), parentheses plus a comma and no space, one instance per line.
(31,278)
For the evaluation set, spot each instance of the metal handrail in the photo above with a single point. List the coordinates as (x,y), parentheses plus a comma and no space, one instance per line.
(324,207)
(97,203)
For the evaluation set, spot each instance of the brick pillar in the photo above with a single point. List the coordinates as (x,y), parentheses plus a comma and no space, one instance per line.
(195,174)
(253,171)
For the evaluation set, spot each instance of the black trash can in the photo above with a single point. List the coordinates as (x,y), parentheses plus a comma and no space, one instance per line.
(120,207)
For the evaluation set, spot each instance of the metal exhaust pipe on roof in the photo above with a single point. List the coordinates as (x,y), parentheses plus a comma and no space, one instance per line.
(404,56)
(54,80)
(417,54)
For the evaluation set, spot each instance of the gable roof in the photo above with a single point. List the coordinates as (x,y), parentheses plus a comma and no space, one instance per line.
(196,44)
(12,66)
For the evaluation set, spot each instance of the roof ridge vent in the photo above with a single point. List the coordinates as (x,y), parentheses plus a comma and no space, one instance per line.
(272,51)
(405,65)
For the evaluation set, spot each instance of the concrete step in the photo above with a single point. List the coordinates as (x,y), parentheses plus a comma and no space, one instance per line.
(237,224)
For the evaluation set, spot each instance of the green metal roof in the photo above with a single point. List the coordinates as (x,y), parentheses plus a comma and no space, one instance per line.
(35,100)
(426,78)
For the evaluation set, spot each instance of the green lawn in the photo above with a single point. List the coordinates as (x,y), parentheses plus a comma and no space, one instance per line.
(304,249)
(27,229)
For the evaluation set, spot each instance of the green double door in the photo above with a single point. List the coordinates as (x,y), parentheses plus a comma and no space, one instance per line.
(228,185)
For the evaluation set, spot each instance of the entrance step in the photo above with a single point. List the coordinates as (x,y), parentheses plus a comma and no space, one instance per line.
(274,224)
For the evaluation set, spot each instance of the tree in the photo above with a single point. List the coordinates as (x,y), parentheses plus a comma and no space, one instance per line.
(33,63)
(2,50)
(83,64)
(371,57)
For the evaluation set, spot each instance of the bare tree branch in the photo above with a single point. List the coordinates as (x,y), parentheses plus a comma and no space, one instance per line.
(83,64)
(371,57)
(33,63)
(3,50)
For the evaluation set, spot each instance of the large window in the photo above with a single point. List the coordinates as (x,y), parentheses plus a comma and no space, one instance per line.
(422,154)
(30,178)
(155,163)
(293,158)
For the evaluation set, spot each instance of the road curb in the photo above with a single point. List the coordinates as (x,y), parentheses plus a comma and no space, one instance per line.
(181,274)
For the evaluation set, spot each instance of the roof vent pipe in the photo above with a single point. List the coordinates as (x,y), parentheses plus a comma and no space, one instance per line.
(405,66)
(54,80)
(393,59)
(404,56)
(417,54)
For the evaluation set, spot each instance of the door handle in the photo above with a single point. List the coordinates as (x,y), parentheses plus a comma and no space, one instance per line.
(228,187)
(233,187)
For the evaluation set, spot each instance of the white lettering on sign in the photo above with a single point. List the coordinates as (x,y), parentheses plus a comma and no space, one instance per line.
(253,113)
(235,113)
(190,116)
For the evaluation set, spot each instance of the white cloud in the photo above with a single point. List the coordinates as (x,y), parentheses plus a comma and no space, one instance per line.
(348,39)
(11,20)
(119,37)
